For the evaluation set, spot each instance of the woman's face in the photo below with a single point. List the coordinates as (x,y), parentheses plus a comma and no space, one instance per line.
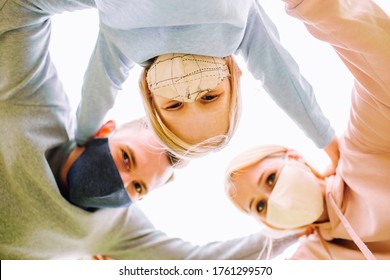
(254,186)
(200,120)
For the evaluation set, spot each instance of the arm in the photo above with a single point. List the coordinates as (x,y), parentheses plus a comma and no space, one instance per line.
(143,241)
(270,63)
(27,75)
(359,31)
(26,64)
(106,72)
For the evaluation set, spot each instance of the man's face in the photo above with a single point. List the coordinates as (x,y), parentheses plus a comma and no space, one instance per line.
(142,162)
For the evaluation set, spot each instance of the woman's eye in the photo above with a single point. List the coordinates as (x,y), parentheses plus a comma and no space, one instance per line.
(174,106)
(137,187)
(209,97)
(271,179)
(261,206)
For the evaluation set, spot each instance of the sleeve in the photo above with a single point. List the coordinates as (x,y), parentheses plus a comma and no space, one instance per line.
(359,31)
(53,7)
(27,75)
(107,70)
(270,63)
(143,241)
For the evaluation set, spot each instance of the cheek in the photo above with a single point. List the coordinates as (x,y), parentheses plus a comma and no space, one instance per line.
(200,126)
(260,218)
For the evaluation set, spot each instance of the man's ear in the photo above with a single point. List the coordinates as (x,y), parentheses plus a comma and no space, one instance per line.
(106,129)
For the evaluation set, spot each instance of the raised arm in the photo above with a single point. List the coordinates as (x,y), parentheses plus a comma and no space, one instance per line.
(359,31)
(107,70)
(27,75)
(269,62)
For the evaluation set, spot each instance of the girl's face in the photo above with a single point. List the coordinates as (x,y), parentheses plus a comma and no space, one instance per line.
(194,122)
(298,199)
(255,184)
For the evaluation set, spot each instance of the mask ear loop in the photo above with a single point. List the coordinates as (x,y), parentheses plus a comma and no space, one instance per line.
(323,242)
(266,250)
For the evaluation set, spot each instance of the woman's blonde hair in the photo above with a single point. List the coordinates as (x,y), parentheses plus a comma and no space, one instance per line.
(175,144)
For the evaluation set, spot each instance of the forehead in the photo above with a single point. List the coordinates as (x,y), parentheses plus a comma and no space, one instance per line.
(250,173)
(246,182)
(141,140)
(134,133)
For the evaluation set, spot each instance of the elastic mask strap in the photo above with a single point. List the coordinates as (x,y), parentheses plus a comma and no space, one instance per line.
(362,247)
(266,250)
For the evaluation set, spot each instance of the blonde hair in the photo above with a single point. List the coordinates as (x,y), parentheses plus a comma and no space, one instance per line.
(176,145)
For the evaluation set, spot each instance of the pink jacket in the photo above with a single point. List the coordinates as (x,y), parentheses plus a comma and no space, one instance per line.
(358,196)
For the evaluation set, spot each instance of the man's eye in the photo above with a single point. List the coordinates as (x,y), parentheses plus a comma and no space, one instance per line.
(126,160)
(261,206)
(209,97)
(271,179)
(137,187)
(174,106)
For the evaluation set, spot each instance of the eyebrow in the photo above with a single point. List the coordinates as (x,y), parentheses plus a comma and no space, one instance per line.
(170,179)
(132,158)
(250,204)
(260,179)
(211,91)
(172,158)
(145,187)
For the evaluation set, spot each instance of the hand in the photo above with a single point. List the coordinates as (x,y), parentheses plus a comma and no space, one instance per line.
(305,231)
(101,258)
(291,4)
(334,154)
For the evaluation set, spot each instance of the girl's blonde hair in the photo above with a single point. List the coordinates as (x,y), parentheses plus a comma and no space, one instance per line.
(176,145)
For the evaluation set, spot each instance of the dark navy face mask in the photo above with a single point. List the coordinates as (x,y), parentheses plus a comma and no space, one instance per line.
(94,180)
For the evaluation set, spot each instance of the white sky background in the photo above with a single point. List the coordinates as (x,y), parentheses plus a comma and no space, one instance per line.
(194,206)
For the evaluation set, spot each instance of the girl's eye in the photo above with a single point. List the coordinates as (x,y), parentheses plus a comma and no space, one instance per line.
(271,179)
(137,187)
(174,106)
(261,206)
(209,97)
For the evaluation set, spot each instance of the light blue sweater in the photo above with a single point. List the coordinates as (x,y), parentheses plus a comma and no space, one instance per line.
(36,222)
(133,32)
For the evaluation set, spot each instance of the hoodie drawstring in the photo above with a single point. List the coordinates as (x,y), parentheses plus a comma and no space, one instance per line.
(362,247)
(323,242)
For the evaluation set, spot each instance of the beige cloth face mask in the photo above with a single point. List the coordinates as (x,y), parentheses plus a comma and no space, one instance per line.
(183,77)
(296,199)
